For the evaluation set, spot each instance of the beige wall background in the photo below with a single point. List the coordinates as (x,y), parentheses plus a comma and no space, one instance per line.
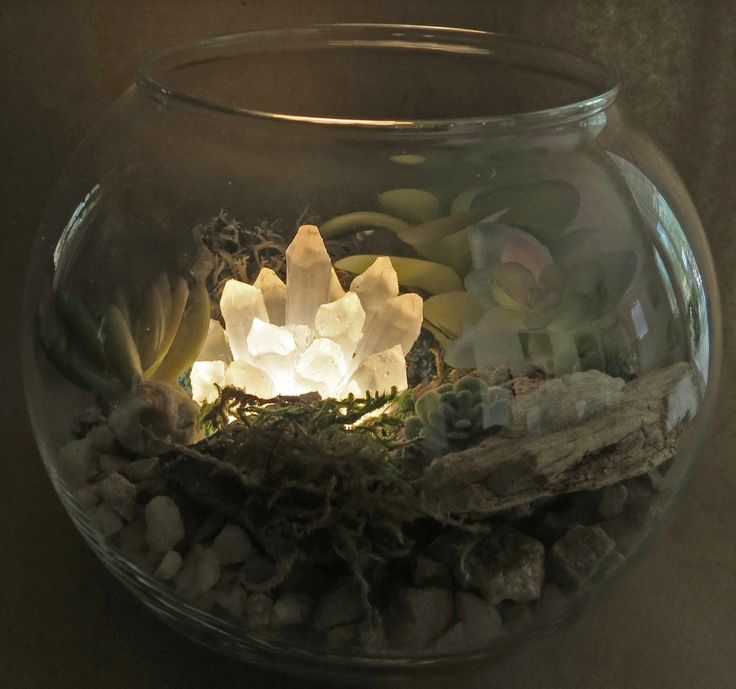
(64,622)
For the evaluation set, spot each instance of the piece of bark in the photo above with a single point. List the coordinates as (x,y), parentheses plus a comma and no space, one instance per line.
(628,438)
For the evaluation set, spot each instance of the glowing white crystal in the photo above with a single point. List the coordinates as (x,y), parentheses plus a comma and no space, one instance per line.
(250,378)
(309,334)
(399,321)
(204,376)
(309,272)
(216,347)
(273,289)
(382,371)
(240,304)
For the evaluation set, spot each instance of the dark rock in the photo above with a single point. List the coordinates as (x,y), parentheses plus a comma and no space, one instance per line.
(577,557)
(503,564)
(418,617)
(430,573)
(480,620)
(341,605)
(613,500)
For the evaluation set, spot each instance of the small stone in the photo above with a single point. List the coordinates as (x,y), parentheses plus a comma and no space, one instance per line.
(165,525)
(232,544)
(480,620)
(576,558)
(258,609)
(76,461)
(291,609)
(258,568)
(169,566)
(101,438)
(119,493)
(106,520)
(613,500)
(140,469)
(430,573)
(418,617)
(86,498)
(452,641)
(207,529)
(200,572)
(232,599)
(340,605)
(503,564)
(111,464)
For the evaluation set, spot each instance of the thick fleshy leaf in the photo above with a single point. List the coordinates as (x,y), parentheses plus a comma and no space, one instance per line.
(190,335)
(494,341)
(81,324)
(543,208)
(440,228)
(121,352)
(178,302)
(360,220)
(154,315)
(408,159)
(493,243)
(511,284)
(463,202)
(414,205)
(620,267)
(575,310)
(448,315)
(434,278)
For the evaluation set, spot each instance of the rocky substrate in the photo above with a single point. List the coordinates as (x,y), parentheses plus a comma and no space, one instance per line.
(458,586)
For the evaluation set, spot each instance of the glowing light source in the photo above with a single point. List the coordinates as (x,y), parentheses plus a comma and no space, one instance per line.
(308,334)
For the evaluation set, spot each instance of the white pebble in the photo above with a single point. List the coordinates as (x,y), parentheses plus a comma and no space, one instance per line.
(118,493)
(164,522)
(111,464)
(106,520)
(201,571)
(86,498)
(101,438)
(232,544)
(140,469)
(258,610)
(232,599)
(169,566)
(76,460)
(290,609)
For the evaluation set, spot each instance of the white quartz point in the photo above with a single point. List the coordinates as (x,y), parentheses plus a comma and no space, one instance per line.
(376,284)
(265,338)
(342,321)
(308,275)
(273,289)
(215,346)
(240,305)
(323,363)
(382,371)
(204,376)
(254,381)
(399,321)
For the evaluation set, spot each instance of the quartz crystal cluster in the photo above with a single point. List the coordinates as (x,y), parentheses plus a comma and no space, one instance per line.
(308,334)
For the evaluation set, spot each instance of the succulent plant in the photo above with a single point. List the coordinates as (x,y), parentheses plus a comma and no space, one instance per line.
(155,337)
(451,415)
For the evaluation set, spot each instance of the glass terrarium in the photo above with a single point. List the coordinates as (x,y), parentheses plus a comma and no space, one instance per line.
(373,347)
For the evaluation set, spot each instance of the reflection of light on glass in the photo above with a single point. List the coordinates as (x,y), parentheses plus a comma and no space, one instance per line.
(671,298)
(68,245)
(640,320)
(675,260)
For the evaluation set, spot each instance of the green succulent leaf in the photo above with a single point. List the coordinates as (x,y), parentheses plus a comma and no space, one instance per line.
(434,278)
(190,335)
(82,325)
(414,205)
(121,352)
(448,315)
(179,295)
(154,315)
(360,220)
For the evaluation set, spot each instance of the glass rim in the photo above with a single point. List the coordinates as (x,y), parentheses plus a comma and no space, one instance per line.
(151,75)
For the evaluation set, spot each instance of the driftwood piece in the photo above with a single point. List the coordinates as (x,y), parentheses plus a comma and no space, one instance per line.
(635,432)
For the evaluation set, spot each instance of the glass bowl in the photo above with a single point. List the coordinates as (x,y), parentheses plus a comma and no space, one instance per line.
(369,349)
